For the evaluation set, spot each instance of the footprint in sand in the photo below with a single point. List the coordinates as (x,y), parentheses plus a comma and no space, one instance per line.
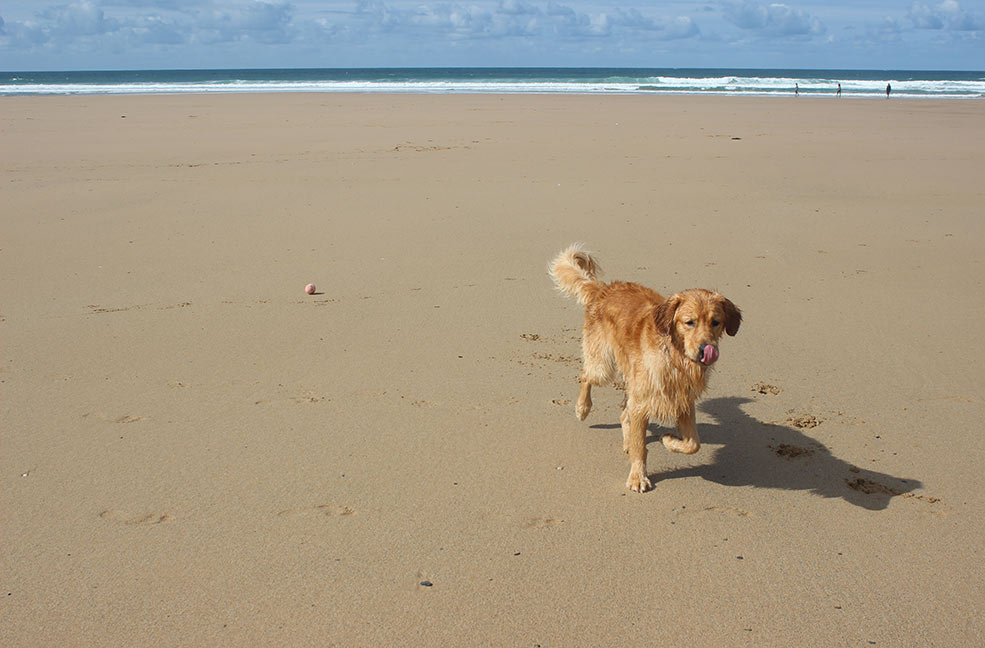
(422,581)
(765,388)
(555,358)
(720,510)
(870,487)
(318,510)
(727,510)
(306,397)
(116,515)
(541,523)
(788,451)
(423,148)
(96,308)
(100,416)
(419,402)
(804,422)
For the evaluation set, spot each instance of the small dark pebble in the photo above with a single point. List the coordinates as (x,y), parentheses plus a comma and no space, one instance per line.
(739,558)
(426,583)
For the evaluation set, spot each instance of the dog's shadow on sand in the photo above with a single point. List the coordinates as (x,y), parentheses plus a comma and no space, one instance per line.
(766,455)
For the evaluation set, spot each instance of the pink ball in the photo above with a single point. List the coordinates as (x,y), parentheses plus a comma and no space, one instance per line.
(310,289)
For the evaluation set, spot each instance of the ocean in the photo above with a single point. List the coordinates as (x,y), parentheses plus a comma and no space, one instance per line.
(712,81)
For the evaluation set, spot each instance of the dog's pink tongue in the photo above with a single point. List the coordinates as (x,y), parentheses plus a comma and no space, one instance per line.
(710,354)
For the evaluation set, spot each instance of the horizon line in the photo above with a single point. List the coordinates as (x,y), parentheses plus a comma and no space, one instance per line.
(492,67)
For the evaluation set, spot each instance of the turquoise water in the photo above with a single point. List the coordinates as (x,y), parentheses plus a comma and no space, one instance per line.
(712,81)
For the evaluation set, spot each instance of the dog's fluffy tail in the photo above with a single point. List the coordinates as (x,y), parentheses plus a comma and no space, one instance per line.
(574,272)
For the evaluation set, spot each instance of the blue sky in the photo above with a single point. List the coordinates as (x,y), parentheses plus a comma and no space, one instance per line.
(139,34)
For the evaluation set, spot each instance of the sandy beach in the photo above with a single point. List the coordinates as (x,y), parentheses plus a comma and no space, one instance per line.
(194,452)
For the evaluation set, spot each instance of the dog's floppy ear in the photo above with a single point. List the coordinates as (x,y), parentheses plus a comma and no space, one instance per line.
(733,317)
(664,313)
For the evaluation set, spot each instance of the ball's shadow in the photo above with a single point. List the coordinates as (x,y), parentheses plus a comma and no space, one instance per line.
(766,455)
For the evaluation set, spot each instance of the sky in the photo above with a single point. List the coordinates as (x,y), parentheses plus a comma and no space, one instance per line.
(165,34)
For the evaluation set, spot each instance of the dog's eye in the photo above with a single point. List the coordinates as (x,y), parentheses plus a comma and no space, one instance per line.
(715,322)
(689,323)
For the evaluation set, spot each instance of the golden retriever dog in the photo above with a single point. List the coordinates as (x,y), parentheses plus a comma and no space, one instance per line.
(660,349)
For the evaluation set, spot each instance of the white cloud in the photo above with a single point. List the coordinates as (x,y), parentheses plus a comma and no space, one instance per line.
(517,8)
(232,33)
(947,15)
(78,20)
(86,23)
(515,18)
(663,29)
(259,21)
(924,17)
(772,20)
(156,30)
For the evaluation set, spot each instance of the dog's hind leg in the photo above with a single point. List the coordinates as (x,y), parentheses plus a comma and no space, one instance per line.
(598,369)
(584,404)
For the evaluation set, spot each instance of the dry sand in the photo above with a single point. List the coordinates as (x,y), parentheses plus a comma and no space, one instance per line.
(196,453)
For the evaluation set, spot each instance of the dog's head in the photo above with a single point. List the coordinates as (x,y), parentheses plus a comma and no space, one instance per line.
(695,320)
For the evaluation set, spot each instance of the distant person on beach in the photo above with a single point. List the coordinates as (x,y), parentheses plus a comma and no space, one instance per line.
(796,89)
(839,90)
(889,89)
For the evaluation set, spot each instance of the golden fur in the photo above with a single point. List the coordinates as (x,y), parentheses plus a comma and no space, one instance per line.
(656,346)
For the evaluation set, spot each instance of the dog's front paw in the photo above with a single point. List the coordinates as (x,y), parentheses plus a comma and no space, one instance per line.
(638,482)
(676,444)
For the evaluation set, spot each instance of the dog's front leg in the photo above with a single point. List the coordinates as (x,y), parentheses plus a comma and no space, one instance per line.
(634,441)
(688,443)
(624,421)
